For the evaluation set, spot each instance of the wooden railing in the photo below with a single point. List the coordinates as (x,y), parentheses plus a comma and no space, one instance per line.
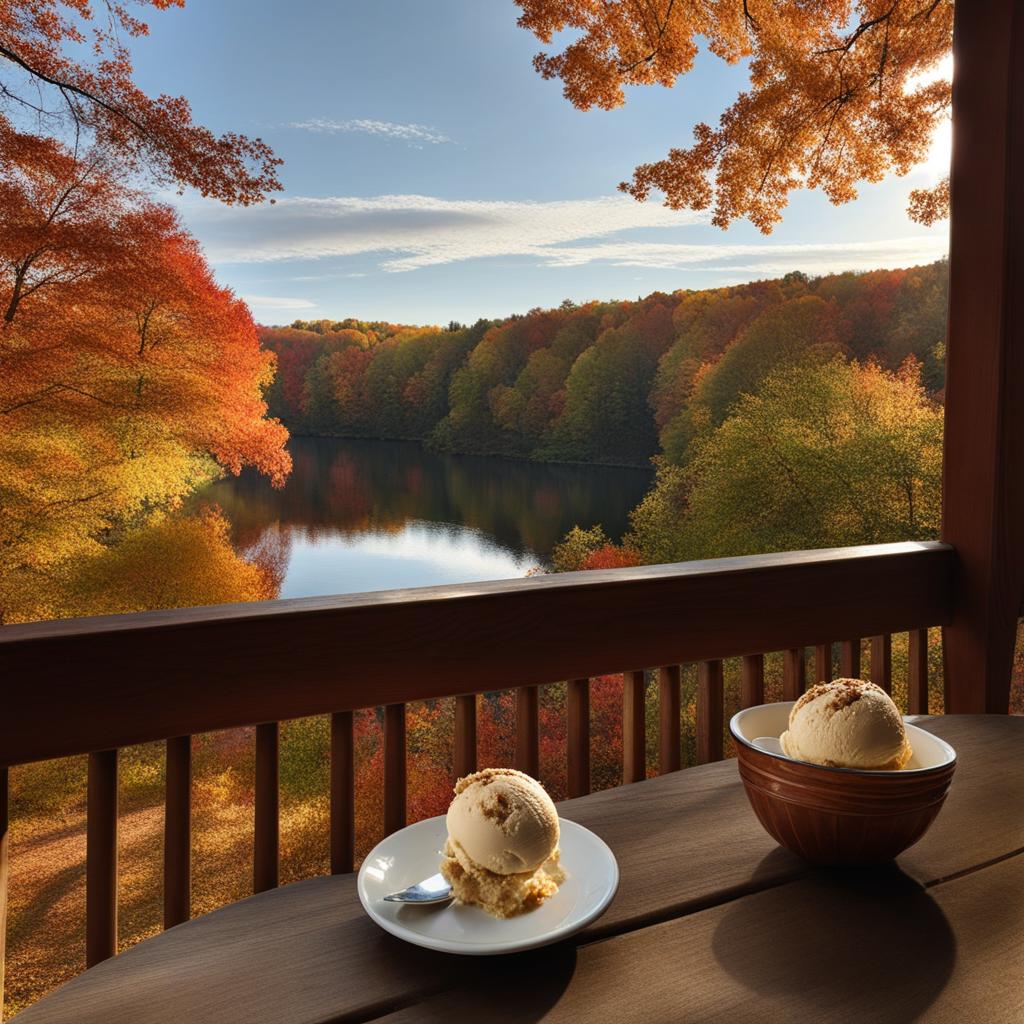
(92,686)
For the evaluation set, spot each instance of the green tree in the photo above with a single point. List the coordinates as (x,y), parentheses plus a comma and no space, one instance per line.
(824,455)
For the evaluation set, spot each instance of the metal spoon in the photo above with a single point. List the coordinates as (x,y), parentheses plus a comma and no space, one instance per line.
(431,890)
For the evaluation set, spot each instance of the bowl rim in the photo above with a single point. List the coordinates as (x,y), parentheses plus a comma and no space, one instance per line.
(873,773)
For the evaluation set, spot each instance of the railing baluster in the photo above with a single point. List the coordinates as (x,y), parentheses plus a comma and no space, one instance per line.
(578,736)
(634,726)
(101,858)
(917,675)
(670,759)
(849,659)
(823,663)
(394,768)
(752,680)
(793,671)
(465,735)
(4,869)
(527,757)
(710,711)
(881,661)
(178,832)
(343,793)
(266,847)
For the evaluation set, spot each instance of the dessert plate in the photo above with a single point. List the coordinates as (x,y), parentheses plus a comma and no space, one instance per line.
(592,876)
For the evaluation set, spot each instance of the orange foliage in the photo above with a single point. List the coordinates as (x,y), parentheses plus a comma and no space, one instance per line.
(835,96)
(125,366)
(155,134)
(612,556)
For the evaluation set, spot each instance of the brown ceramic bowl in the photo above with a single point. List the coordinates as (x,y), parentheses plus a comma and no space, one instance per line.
(839,815)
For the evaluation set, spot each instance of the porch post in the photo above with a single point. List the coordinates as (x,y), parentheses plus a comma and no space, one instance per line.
(983,473)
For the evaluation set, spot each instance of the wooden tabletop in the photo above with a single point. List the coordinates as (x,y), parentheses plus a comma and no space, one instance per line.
(712,921)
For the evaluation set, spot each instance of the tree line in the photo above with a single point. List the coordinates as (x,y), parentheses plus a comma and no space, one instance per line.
(604,382)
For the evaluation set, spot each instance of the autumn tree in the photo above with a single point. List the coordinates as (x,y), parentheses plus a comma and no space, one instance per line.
(48,79)
(822,456)
(839,92)
(128,375)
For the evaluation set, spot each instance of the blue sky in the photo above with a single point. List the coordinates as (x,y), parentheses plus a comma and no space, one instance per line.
(430,174)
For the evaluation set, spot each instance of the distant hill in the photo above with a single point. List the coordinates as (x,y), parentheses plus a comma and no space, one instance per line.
(606,382)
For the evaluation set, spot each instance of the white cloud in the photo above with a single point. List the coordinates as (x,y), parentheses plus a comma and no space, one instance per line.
(409,232)
(417,135)
(412,231)
(765,258)
(278,302)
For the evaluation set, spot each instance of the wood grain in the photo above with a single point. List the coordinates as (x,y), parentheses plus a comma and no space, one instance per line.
(343,793)
(465,735)
(178,832)
(412,644)
(267,830)
(822,663)
(710,710)
(101,858)
(577,712)
(394,768)
(881,661)
(752,680)
(983,452)
(849,659)
(527,757)
(306,953)
(670,754)
(779,956)
(634,726)
(793,669)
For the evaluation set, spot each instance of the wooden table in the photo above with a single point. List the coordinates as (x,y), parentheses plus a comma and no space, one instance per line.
(712,922)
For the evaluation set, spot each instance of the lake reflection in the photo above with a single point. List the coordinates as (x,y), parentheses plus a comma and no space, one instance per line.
(376,515)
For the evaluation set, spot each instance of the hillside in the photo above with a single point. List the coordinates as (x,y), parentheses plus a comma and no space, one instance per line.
(605,382)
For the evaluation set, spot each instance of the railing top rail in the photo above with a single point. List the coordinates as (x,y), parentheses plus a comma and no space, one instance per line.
(78,685)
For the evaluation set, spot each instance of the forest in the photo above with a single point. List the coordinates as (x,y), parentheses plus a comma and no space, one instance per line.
(605,382)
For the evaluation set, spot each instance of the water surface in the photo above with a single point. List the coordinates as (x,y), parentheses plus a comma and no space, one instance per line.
(376,515)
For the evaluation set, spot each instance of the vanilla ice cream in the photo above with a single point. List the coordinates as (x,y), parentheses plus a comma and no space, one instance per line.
(502,849)
(847,723)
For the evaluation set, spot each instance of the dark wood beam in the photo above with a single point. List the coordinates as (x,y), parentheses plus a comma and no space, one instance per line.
(983,477)
(92,684)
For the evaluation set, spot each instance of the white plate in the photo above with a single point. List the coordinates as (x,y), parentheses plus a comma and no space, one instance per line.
(407,856)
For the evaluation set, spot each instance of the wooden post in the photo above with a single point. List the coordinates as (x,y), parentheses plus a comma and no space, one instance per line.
(527,731)
(343,793)
(793,674)
(752,680)
(267,840)
(710,705)
(577,711)
(101,858)
(465,735)
(669,681)
(394,768)
(178,832)
(4,866)
(983,463)
(634,726)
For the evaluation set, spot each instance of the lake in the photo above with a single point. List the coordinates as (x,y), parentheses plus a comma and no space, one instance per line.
(360,515)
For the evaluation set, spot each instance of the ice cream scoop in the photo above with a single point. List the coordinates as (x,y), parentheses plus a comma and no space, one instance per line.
(502,848)
(504,821)
(847,723)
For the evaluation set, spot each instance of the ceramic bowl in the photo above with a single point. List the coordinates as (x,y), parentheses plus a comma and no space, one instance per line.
(839,815)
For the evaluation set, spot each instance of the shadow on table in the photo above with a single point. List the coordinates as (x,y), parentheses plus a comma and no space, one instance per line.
(521,987)
(870,941)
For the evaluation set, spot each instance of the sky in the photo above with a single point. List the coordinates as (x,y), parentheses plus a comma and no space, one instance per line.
(431,175)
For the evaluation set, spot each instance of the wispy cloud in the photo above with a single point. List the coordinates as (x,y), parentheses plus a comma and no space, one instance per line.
(409,232)
(418,135)
(278,302)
